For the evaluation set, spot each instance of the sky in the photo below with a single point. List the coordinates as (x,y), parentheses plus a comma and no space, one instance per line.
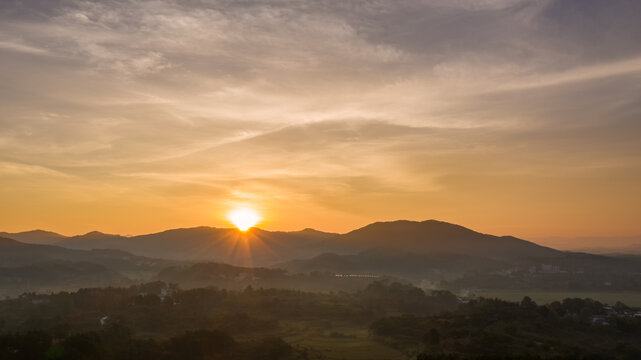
(505,116)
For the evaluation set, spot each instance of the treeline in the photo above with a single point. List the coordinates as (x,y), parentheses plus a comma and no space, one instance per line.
(524,280)
(237,278)
(141,322)
(161,321)
(496,329)
(117,343)
(162,309)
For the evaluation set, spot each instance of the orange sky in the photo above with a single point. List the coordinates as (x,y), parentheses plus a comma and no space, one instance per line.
(136,117)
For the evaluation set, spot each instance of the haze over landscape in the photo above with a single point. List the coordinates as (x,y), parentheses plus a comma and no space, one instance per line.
(303,179)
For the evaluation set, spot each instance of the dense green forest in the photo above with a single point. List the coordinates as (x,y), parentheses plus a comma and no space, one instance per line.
(384,320)
(573,328)
(116,342)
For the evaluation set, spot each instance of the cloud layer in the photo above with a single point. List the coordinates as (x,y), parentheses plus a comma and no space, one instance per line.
(509,116)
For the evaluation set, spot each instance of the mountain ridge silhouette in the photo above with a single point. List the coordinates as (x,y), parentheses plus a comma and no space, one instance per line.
(263,247)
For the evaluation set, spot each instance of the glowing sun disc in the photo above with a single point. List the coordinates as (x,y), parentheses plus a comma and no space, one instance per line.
(243,218)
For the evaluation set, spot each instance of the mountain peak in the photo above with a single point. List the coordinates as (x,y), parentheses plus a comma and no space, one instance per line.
(411,237)
(95,235)
(41,232)
(34,236)
(434,227)
(439,237)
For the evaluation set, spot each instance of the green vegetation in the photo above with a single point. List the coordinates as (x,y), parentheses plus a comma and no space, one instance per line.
(318,325)
(386,320)
(116,342)
(632,298)
(573,328)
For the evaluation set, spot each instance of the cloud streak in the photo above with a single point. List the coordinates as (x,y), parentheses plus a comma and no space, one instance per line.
(322,110)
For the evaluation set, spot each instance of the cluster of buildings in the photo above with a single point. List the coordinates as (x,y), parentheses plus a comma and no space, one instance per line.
(610,313)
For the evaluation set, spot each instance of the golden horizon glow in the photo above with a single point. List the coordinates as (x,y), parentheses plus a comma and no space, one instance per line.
(244,218)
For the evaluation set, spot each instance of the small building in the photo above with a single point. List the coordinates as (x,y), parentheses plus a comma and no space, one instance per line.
(600,320)
(165,293)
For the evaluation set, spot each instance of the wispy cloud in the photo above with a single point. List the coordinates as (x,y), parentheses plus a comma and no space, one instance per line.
(578,74)
(22,48)
(334,105)
(17,169)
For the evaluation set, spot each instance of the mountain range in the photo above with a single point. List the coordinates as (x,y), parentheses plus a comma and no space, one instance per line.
(255,247)
(34,236)
(428,250)
(258,247)
(15,254)
(28,267)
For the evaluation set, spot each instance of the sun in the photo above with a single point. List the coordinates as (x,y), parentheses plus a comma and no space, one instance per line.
(244,218)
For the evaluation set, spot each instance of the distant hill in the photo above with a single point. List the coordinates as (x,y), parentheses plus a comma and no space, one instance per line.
(395,263)
(57,276)
(258,247)
(437,251)
(568,269)
(436,237)
(17,254)
(234,277)
(396,247)
(34,236)
(432,251)
(33,267)
(255,247)
(94,240)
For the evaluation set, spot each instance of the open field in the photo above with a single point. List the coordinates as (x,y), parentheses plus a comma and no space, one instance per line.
(544,296)
(338,341)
